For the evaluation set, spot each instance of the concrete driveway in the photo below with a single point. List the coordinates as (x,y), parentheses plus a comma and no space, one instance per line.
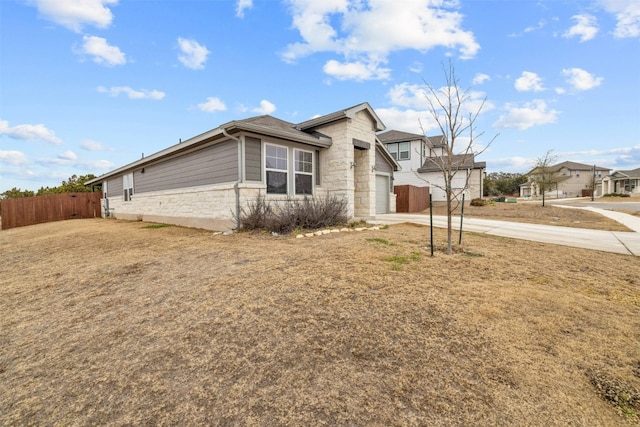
(609,241)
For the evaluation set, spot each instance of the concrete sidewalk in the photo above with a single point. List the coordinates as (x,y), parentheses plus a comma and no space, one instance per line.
(609,241)
(630,221)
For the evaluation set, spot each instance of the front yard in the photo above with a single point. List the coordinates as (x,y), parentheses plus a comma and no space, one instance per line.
(111,322)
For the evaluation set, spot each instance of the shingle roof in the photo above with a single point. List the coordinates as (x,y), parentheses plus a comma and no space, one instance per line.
(400,136)
(342,114)
(397,135)
(273,126)
(633,173)
(573,166)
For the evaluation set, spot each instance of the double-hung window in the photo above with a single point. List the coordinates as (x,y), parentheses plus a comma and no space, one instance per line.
(399,150)
(303,172)
(288,171)
(276,166)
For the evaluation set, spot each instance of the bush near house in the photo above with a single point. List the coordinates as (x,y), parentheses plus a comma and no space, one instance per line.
(285,217)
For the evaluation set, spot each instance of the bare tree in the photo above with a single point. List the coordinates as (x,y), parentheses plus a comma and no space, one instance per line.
(543,173)
(449,107)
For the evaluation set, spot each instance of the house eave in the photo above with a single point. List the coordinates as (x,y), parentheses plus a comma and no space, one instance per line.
(195,141)
(348,113)
(320,141)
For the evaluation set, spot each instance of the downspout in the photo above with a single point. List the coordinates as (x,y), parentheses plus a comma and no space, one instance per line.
(236,187)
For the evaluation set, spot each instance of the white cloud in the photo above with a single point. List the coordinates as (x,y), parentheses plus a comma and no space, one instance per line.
(101,51)
(13,157)
(407,120)
(416,67)
(531,114)
(193,55)
(29,133)
(581,79)
(365,33)
(410,111)
(98,164)
(586,27)
(155,95)
(627,13)
(529,82)
(74,14)
(415,97)
(356,71)
(540,25)
(242,6)
(68,155)
(265,107)
(91,145)
(480,78)
(75,163)
(511,164)
(212,105)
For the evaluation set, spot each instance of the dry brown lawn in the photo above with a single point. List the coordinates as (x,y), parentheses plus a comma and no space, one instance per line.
(534,213)
(108,322)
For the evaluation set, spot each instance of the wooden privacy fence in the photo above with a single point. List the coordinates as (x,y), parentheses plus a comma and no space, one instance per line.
(55,207)
(410,198)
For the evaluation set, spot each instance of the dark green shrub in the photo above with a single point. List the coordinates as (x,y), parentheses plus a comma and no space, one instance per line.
(478,202)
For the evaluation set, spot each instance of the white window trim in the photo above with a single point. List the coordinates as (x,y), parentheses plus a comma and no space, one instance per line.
(291,170)
(397,153)
(295,172)
(287,170)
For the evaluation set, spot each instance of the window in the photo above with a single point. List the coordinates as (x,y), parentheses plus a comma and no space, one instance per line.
(399,150)
(303,171)
(127,186)
(279,168)
(276,166)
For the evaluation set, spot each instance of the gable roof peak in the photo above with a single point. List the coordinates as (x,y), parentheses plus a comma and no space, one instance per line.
(343,114)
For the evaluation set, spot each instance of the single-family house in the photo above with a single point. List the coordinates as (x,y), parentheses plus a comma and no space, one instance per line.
(622,182)
(207,180)
(570,179)
(422,159)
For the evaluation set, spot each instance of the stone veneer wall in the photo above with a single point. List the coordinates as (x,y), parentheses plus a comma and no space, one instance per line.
(362,128)
(211,207)
(339,178)
(335,164)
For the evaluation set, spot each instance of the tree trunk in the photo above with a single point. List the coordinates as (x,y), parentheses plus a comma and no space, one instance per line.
(449,231)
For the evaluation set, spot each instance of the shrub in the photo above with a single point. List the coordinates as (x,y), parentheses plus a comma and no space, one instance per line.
(256,214)
(287,216)
(478,202)
(616,195)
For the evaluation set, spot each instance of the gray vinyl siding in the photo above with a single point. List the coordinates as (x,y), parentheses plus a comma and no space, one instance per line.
(211,165)
(114,187)
(382,165)
(253,159)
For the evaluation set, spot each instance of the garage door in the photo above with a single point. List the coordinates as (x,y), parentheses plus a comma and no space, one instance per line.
(382,194)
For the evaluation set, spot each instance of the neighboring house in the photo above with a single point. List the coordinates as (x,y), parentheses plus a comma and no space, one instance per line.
(207,180)
(571,179)
(622,182)
(420,159)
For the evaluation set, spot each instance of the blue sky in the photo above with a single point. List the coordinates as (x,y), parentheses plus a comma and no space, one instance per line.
(90,85)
